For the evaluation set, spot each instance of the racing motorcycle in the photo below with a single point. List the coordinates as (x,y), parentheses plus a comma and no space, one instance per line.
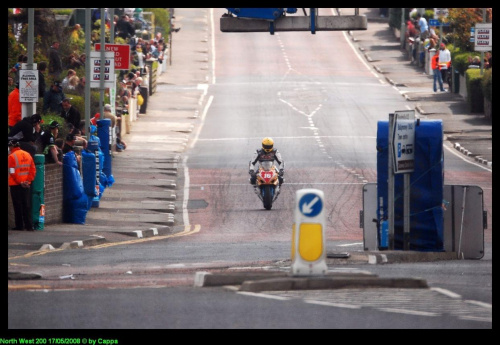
(267,187)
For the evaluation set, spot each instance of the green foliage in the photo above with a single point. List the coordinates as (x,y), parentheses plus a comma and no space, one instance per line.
(460,61)
(461,20)
(63,12)
(486,84)
(162,20)
(475,96)
(428,14)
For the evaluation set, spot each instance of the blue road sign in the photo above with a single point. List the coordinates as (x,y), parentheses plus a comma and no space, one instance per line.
(436,22)
(310,205)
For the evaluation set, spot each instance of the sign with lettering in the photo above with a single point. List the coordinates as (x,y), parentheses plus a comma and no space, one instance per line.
(107,66)
(28,86)
(404,141)
(483,37)
(122,54)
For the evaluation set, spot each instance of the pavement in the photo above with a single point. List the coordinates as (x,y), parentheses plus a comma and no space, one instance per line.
(146,199)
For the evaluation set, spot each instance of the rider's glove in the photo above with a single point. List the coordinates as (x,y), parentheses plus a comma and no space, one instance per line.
(251,171)
(282,172)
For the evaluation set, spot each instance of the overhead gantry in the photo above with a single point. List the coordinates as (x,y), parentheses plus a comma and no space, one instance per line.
(277,19)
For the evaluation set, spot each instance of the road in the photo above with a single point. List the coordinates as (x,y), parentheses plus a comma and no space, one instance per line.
(317,99)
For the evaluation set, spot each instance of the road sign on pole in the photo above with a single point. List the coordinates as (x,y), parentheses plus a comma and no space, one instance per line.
(109,69)
(308,234)
(404,141)
(483,37)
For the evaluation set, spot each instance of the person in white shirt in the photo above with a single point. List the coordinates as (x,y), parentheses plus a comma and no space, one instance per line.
(445,63)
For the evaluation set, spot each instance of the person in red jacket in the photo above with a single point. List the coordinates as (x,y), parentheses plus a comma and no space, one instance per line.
(436,70)
(22,172)
(15,108)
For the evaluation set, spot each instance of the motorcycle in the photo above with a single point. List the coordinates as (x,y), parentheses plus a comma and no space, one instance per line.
(267,187)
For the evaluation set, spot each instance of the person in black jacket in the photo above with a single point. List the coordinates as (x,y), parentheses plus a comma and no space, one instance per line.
(70,114)
(55,61)
(124,28)
(27,132)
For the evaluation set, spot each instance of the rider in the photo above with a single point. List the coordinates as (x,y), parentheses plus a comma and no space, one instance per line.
(267,153)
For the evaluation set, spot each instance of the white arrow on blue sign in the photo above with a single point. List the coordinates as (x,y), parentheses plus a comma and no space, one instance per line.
(310,205)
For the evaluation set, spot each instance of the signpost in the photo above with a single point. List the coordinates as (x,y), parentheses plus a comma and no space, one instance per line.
(108,66)
(401,161)
(122,54)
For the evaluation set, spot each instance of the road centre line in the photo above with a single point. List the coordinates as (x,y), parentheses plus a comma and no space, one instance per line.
(298,137)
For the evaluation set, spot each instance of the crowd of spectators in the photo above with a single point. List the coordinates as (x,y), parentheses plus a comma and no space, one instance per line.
(56,94)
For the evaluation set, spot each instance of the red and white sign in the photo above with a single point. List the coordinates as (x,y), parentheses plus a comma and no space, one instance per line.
(122,54)
(484,37)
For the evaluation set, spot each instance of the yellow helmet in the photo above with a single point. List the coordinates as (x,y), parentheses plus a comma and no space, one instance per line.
(267,144)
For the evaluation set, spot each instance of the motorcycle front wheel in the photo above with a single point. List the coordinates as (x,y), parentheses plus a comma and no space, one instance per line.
(267,196)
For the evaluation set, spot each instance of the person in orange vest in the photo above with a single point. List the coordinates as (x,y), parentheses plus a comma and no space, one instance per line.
(436,70)
(22,171)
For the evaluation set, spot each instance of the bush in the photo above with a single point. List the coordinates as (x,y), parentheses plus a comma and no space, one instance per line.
(460,61)
(475,96)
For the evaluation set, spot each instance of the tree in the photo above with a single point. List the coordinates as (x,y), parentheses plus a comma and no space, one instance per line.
(462,20)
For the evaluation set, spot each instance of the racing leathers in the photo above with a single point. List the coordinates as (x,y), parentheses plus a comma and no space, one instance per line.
(259,156)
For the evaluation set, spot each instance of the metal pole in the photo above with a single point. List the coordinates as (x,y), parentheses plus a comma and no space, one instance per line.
(103,59)
(112,25)
(390,184)
(459,254)
(406,207)
(27,109)
(88,30)
(170,38)
(403,28)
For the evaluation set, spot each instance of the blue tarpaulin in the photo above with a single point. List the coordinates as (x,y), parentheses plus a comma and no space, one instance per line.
(426,187)
(75,201)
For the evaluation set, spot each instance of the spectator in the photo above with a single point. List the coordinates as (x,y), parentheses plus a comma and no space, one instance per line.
(384,12)
(109,115)
(161,53)
(436,72)
(80,88)
(22,172)
(158,37)
(433,37)
(73,82)
(82,60)
(69,145)
(423,27)
(445,63)
(65,81)
(14,107)
(10,81)
(97,117)
(48,139)
(70,114)
(53,98)
(42,86)
(15,70)
(488,57)
(55,62)
(152,50)
(140,18)
(27,132)
(475,61)
(76,34)
(124,28)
